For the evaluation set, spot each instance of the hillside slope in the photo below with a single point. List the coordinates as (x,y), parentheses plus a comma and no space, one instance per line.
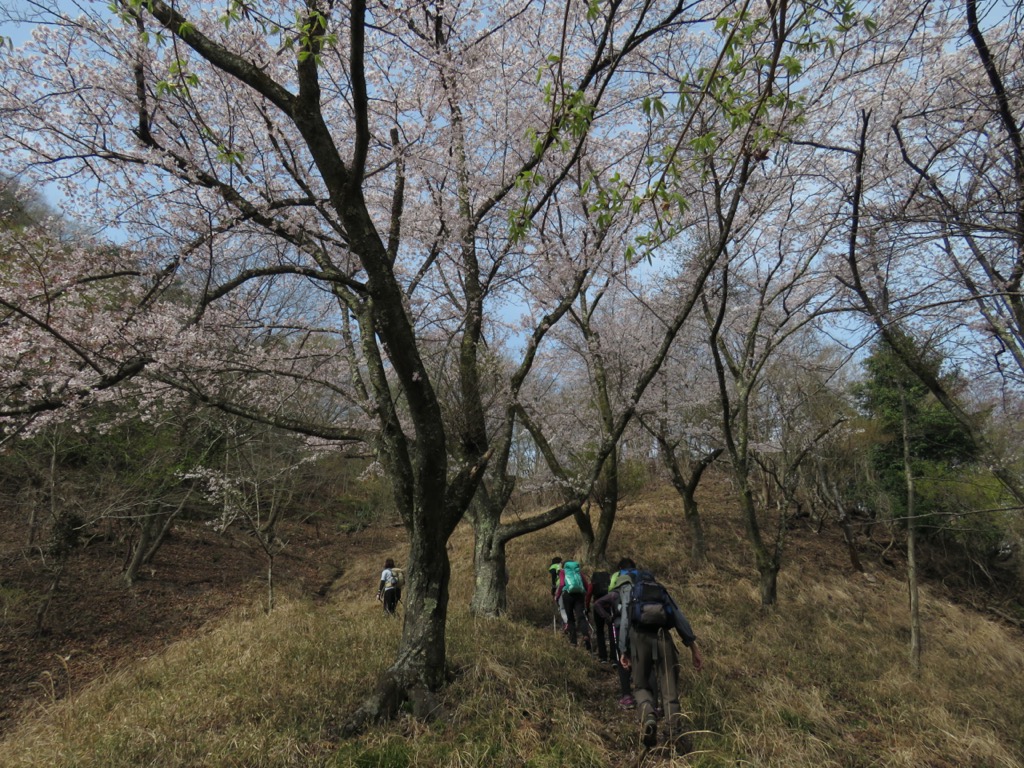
(822,680)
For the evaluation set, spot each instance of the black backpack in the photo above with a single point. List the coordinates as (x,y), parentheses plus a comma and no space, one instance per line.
(600,582)
(650,606)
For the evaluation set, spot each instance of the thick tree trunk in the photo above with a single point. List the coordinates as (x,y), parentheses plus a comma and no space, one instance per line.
(492,538)
(418,671)
(596,551)
(768,582)
(766,561)
(698,543)
(582,518)
(421,654)
(490,594)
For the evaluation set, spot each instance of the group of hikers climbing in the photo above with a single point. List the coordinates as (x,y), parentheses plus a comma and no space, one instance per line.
(633,618)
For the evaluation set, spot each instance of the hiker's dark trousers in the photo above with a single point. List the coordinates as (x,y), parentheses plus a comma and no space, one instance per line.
(653,657)
(391,599)
(575,606)
(605,638)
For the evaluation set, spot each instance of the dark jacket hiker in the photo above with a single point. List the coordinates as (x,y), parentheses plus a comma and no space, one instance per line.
(603,629)
(648,614)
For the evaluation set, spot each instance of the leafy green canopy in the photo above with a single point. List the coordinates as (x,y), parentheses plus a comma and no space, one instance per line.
(948,481)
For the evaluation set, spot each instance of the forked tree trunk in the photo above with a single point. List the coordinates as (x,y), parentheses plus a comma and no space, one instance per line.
(147,532)
(597,548)
(582,518)
(596,551)
(161,537)
(698,543)
(490,595)
(844,524)
(686,487)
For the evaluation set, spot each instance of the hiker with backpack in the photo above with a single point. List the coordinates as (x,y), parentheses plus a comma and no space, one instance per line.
(625,565)
(606,615)
(573,590)
(390,590)
(648,614)
(606,610)
(555,570)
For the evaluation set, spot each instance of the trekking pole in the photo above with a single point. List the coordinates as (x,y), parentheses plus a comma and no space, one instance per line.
(657,678)
(593,632)
(663,634)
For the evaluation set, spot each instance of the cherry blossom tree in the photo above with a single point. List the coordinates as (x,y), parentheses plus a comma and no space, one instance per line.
(290,186)
(773,285)
(800,414)
(610,339)
(319,210)
(921,137)
(558,278)
(707,138)
(680,412)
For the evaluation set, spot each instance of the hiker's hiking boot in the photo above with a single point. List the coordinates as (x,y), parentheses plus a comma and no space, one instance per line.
(627,702)
(684,744)
(650,733)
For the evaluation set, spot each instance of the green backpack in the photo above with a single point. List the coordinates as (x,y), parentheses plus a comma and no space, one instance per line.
(573,578)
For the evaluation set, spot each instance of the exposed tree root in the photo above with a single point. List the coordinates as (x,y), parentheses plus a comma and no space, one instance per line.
(395,690)
(382,705)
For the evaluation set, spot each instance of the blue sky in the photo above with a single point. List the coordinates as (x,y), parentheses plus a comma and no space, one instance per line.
(16,33)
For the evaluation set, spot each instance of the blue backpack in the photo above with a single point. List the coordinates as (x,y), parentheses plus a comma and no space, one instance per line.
(573,578)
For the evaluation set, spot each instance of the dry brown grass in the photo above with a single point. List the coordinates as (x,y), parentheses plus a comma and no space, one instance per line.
(820,681)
